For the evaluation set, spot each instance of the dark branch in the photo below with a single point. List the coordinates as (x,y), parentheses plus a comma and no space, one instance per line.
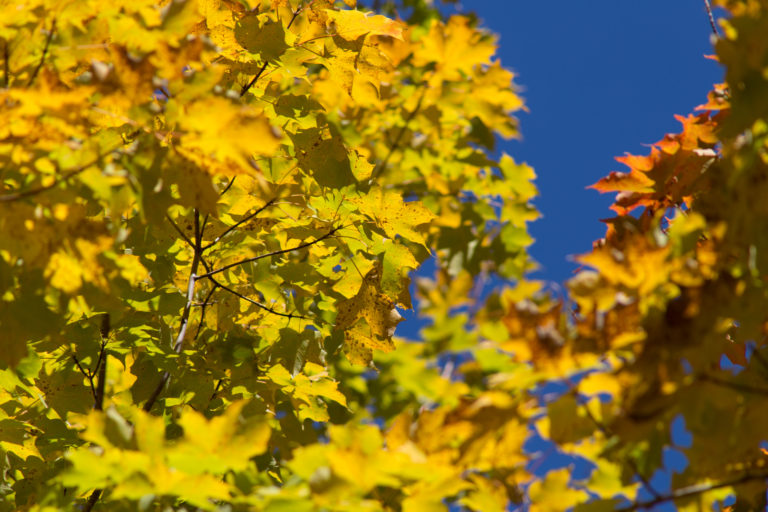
(256,303)
(238,223)
(275,253)
(229,185)
(253,80)
(101,363)
(202,310)
(6,71)
(64,177)
(178,345)
(396,144)
(760,359)
(180,232)
(88,375)
(266,62)
(92,500)
(694,490)
(609,434)
(733,385)
(218,387)
(45,53)
(711,18)
(98,393)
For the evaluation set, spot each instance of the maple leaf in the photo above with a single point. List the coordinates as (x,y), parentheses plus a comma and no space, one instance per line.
(394,216)
(351,25)
(218,128)
(368,320)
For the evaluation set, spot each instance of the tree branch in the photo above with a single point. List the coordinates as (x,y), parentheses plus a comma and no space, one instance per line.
(396,144)
(266,62)
(202,309)
(711,18)
(256,303)
(88,375)
(101,363)
(254,79)
(608,433)
(6,72)
(694,490)
(45,53)
(238,224)
(98,393)
(180,232)
(92,499)
(262,256)
(229,185)
(14,196)
(178,345)
(732,385)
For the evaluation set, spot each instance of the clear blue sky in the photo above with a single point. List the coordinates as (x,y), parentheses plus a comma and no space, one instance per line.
(601,78)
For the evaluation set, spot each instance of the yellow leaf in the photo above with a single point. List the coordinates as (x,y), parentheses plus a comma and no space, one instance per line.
(216,127)
(456,47)
(263,35)
(353,24)
(552,494)
(368,320)
(393,215)
(64,272)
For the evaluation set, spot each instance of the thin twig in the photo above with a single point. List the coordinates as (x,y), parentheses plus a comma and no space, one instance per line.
(92,500)
(254,79)
(101,363)
(45,52)
(178,345)
(266,62)
(711,18)
(757,355)
(608,434)
(98,398)
(207,267)
(14,196)
(229,185)
(6,72)
(259,304)
(267,255)
(238,224)
(733,385)
(396,144)
(202,310)
(180,232)
(693,490)
(88,375)
(213,395)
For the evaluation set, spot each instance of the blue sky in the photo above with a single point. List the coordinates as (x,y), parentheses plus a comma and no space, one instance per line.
(601,78)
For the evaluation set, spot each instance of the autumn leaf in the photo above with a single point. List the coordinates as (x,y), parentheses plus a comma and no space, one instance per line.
(368,320)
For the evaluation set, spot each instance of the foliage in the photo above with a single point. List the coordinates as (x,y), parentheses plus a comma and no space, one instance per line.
(211,211)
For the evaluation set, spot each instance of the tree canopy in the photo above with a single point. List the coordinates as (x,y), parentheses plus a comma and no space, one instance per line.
(211,214)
